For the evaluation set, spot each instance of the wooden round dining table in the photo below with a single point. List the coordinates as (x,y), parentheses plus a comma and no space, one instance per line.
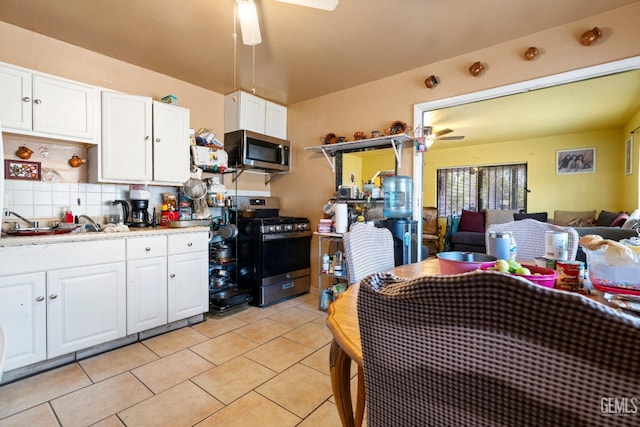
(342,320)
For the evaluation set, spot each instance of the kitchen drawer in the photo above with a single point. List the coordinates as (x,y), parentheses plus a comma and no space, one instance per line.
(146,247)
(184,243)
(53,256)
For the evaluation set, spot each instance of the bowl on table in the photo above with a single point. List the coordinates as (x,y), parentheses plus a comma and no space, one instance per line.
(457,262)
(539,275)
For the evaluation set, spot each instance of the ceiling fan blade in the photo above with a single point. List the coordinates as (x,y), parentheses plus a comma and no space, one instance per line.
(450,138)
(443,132)
(316,4)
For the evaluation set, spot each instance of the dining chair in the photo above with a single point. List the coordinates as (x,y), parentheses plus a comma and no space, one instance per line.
(530,237)
(430,228)
(490,349)
(368,250)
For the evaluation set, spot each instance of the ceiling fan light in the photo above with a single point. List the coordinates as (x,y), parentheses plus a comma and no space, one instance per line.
(249,25)
(429,138)
(316,4)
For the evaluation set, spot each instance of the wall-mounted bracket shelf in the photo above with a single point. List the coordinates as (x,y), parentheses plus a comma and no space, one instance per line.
(268,176)
(329,150)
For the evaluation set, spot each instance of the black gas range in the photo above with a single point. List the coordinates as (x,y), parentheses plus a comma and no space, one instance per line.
(273,251)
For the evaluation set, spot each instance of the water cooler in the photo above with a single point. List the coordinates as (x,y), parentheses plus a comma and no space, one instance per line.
(397,213)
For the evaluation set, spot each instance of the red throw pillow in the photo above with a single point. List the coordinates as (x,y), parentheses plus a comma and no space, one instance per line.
(471,221)
(620,219)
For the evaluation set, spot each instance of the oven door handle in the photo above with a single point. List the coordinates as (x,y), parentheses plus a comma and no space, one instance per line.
(287,235)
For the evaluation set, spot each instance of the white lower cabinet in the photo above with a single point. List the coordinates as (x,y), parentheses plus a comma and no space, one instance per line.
(89,293)
(23,316)
(188,267)
(85,307)
(146,283)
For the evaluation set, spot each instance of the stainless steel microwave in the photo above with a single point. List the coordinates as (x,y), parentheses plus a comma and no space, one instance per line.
(251,150)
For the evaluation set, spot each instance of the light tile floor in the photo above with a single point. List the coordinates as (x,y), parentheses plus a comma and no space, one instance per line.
(256,367)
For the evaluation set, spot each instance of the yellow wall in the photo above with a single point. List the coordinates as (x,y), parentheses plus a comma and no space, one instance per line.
(549,191)
(630,187)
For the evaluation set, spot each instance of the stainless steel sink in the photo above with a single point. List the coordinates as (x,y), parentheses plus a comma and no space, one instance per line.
(39,231)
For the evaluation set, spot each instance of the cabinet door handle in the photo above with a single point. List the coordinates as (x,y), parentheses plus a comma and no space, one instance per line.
(53,296)
(40,298)
(172,275)
(37,101)
(147,249)
(26,99)
(158,139)
(146,138)
(189,244)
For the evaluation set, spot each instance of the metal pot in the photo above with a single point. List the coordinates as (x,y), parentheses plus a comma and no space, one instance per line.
(224,294)
(219,282)
(222,273)
(223,252)
(249,213)
(228,231)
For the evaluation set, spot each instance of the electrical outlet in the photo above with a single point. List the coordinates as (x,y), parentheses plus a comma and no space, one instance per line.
(5,212)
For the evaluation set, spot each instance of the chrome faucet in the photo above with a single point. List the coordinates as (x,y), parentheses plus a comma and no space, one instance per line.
(90,221)
(33,224)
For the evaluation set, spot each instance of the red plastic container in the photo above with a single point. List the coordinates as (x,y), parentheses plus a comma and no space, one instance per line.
(547,277)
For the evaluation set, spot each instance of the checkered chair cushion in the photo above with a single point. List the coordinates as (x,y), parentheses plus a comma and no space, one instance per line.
(368,250)
(489,349)
(530,237)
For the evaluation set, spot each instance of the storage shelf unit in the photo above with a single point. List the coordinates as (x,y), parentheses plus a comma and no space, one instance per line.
(326,240)
(394,141)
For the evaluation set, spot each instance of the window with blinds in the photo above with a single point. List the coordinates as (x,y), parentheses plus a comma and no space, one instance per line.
(476,188)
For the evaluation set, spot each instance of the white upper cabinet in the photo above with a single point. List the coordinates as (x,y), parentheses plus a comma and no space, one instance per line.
(43,105)
(142,141)
(171,159)
(126,138)
(246,111)
(276,120)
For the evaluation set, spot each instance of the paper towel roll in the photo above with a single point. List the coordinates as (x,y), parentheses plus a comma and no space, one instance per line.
(341,218)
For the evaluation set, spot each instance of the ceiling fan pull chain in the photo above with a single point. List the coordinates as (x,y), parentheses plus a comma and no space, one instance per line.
(253,83)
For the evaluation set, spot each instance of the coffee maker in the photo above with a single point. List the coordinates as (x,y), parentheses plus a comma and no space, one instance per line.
(139,197)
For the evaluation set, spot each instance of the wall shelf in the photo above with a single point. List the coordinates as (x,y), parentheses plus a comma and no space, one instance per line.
(394,141)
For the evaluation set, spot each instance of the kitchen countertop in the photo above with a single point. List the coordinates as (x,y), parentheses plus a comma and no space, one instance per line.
(9,241)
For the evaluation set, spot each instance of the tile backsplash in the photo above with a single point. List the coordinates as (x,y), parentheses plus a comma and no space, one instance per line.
(38,199)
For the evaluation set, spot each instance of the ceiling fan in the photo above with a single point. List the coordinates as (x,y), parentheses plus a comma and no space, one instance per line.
(248,16)
(439,135)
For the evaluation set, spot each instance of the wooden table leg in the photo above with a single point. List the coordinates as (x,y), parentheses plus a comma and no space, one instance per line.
(360,398)
(340,365)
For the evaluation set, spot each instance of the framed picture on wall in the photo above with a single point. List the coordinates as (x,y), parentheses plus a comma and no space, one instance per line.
(20,169)
(628,156)
(579,160)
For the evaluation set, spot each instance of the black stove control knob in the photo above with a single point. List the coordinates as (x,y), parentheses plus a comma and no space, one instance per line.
(288,227)
(302,226)
(277,228)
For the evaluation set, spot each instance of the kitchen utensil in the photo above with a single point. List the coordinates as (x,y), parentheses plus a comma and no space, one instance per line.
(196,190)
(219,281)
(125,210)
(223,252)
(460,262)
(228,231)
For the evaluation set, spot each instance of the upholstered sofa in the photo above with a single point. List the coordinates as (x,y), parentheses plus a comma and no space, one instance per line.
(468,231)
(609,225)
